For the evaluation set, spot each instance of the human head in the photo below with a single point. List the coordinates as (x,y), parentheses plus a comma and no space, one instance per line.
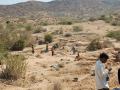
(103,57)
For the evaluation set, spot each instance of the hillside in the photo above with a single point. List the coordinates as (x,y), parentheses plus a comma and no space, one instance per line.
(58,8)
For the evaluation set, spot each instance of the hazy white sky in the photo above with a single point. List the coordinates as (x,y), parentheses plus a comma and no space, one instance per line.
(7,2)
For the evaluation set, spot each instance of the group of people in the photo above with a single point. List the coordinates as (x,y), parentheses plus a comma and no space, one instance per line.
(46,50)
(102,72)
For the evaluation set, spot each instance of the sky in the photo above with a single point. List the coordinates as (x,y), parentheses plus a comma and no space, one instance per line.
(8,2)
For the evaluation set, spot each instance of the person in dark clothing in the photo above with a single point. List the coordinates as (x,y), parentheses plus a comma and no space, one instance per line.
(77,58)
(73,50)
(47,47)
(52,50)
(33,51)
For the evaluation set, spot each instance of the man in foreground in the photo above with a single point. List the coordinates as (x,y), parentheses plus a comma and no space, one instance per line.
(101,74)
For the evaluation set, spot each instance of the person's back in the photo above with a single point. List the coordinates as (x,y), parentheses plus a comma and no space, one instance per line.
(100,76)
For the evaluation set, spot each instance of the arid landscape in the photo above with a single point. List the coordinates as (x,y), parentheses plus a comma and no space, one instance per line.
(50,53)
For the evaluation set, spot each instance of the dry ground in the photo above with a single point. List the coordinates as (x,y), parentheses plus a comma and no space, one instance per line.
(43,73)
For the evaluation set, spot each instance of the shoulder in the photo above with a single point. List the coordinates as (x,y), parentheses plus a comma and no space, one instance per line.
(99,63)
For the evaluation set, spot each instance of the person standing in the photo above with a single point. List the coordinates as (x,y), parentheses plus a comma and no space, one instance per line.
(46,47)
(52,50)
(101,74)
(33,50)
(73,50)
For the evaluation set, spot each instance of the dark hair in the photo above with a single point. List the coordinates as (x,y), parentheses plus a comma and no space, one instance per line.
(104,55)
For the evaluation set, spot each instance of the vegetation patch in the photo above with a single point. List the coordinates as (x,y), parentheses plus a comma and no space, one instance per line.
(15,67)
(48,38)
(114,34)
(94,45)
(77,28)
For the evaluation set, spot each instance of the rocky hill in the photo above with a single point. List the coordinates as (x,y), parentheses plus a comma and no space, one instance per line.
(58,8)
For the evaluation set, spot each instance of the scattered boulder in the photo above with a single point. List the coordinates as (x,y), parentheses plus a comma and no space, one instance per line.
(116,46)
(92,73)
(107,44)
(57,66)
(75,79)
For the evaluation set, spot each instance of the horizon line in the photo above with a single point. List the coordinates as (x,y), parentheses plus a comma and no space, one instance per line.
(24,2)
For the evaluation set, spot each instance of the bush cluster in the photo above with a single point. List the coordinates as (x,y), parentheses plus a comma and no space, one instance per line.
(48,38)
(94,45)
(77,28)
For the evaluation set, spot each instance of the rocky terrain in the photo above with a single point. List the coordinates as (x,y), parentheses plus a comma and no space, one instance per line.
(61,71)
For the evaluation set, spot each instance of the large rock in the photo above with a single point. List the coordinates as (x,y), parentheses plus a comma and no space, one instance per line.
(116,46)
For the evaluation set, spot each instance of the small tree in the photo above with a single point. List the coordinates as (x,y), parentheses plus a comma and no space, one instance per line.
(66,23)
(18,46)
(48,38)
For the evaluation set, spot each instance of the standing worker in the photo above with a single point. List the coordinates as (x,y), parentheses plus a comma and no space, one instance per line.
(102,74)
(52,50)
(46,47)
(33,51)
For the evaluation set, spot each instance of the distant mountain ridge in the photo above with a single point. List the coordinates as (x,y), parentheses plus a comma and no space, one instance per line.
(61,8)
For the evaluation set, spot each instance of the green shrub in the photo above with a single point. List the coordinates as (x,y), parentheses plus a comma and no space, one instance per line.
(115,23)
(44,23)
(18,45)
(39,30)
(7,22)
(10,26)
(48,38)
(77,28)
(114,34)
(102,17)
(94,45)
(65,23)
(92,19)
(20,25)
(15,67)
(28,28)
(10,39)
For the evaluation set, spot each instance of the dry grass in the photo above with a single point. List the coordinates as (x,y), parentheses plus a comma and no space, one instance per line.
(15,67)
(57,86)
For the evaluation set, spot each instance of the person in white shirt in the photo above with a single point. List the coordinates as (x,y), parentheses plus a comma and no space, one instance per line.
(101,74)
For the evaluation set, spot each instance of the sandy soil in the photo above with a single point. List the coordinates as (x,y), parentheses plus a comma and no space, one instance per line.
(59,72)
